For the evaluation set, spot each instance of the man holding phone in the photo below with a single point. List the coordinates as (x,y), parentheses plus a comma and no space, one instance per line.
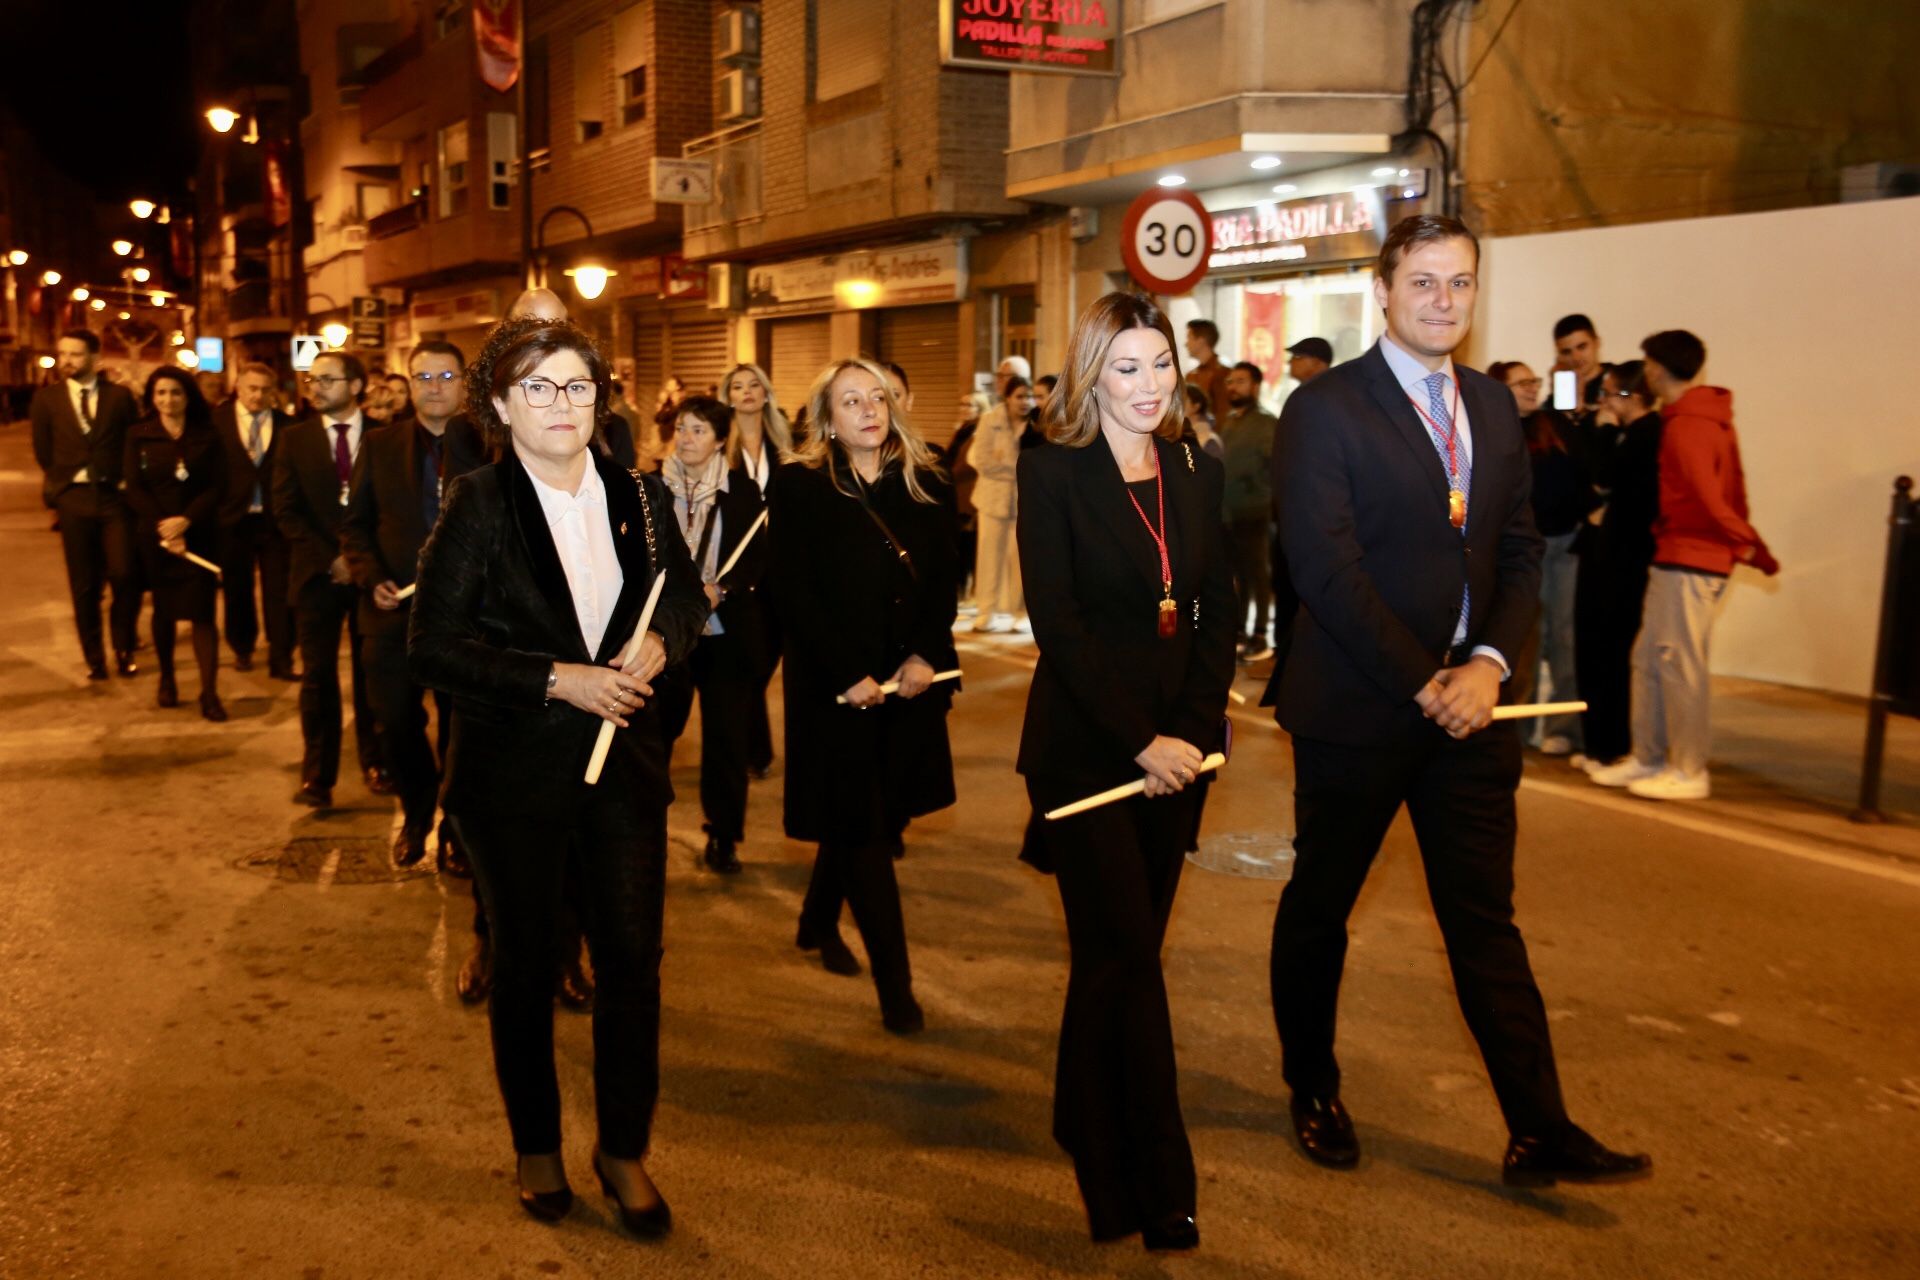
(1576,350)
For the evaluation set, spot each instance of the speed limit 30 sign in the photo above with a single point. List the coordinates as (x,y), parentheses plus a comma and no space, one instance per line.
(1166,239)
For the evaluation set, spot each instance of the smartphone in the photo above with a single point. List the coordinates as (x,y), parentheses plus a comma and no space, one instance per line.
(1566,390)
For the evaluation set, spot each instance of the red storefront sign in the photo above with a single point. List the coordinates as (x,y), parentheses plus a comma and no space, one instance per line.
(496,42)
(1345,226)
(1077,37)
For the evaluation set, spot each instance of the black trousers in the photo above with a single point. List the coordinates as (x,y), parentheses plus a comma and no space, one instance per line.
(619,852)
(96,537)
(721,670)
(1460,797)
(1116,1098)
(1607,600)
(862,876)
(400,713)
(254,545)
(324,608)
(1252,577)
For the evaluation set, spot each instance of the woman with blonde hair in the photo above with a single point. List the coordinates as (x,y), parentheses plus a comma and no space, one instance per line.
(757,445)
(995,452)
(1131,599)
(865,575)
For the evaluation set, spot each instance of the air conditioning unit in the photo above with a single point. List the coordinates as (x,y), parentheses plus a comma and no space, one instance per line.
(737,96)
(738,37)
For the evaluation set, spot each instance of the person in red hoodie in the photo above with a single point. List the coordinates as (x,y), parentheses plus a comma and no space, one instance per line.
(1701,534)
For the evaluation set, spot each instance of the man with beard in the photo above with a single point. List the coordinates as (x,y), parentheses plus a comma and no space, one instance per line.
(1247,434)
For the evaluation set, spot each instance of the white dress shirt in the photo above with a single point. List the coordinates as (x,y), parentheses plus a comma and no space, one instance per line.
(583,536)
(1412,377)
(761,468)
(75,389)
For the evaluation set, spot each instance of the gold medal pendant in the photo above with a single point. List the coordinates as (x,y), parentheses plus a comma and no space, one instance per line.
(1169,621)
(1457,508)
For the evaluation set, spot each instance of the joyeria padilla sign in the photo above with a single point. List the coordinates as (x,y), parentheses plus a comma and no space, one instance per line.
(1343,227)
(1077,37)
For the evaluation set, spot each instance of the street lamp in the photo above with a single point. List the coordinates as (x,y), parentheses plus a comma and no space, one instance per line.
(157,299)
(122,248)
(142,209)
(222,119)
(18,257)
(98,304)
(589,279)
(141,275)
(49,278)
(80,294)
(335,334)
(45,362)
(188,357)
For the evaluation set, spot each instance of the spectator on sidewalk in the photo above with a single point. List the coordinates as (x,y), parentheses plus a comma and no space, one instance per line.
(1308,358)
(1246,432)
(994,454)
(1562,497)
(1615,549)
(1702,533)
(1577,347)
(1206,371)
(1199,426)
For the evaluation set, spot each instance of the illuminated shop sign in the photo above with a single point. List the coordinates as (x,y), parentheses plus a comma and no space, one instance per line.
(1078,37)
(1342,227)
(931,271)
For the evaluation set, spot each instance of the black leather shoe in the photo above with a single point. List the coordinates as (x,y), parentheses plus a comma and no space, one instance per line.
(169,693)
(1325,1131)
(758,772)
(124,663)
(409,847)
(547,1206)
(834,954)
(475,982)
(210,708)
(721,858)
(902,1015)
(283,671)
(314,796)
(96,671)
(380,782)
(243,662)
(1574,1156)
(574,989)
(650,1224)
(449,860)
(1172,1235)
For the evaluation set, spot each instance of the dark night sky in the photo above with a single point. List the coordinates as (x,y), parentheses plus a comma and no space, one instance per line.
(103,85)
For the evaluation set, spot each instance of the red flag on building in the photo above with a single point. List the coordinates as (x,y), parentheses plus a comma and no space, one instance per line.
(279,191)
(496,42)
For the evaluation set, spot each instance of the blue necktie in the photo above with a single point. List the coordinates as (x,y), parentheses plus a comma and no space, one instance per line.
(1441,428)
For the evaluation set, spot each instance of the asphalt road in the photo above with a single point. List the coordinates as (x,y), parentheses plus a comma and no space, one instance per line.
(229,1044)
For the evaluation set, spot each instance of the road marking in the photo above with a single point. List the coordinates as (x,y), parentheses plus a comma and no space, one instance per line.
(328,869)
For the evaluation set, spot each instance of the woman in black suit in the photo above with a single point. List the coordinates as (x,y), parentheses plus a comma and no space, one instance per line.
(865,564)
(714,508)
(528,589)
(1131,597)
(176,474)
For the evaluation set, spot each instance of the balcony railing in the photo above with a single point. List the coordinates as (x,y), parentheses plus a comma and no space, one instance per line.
(735,154)
(397,221)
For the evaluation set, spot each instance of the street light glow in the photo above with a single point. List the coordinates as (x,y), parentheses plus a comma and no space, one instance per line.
(178,339)
(1266,162)
(98,304)
(80,294)
(157,299)
(142,209)
(18,257)
(141,275)
(222,119)
(188,356)
(126,315)
(334,333)
(49,277)
(45,362)
(123,247)
(590,279)
(1174,180)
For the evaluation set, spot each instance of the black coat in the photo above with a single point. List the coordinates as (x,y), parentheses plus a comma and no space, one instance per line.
(384,528)
(62,448)
(242,474)
(154,490)
(849,607)
(493,614)
(740,613)
(1377,565)
(306,499)
(1107,683)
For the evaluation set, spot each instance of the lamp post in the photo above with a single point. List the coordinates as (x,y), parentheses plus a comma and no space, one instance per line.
(589,277)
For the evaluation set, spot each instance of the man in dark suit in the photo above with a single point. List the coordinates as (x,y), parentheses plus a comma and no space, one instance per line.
(250,427)
(399,478)
(79,434)
(1403,487)
(312,474)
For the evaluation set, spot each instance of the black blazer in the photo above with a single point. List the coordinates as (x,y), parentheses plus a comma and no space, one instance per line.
(1107,684)
(1378,567)
(493,614)
(242,475)
(62,448)
(849,607)
(306,499)
(154,489)
(383,529)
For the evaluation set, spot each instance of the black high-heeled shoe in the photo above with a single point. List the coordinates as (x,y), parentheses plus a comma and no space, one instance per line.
(547,1206)
(1171,1235)
(835,955)
(649,1224)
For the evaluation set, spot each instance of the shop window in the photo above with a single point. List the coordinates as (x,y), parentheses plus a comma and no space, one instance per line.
(448,17)
(630,42)
(846,47)
(453,169)
(502,147)
(372,199)
(633,96)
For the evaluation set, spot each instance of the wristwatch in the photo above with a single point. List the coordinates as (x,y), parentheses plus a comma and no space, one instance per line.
(553,680)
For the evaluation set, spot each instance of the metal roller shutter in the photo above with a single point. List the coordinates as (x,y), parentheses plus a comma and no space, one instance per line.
(697,351)
(800,349)
(649,360)
(925,342)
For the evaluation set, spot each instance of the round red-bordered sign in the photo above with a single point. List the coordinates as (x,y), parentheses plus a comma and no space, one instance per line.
(1166,239)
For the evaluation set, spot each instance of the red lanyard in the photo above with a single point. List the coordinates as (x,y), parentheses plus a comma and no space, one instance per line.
(1159,536)
(1447,437)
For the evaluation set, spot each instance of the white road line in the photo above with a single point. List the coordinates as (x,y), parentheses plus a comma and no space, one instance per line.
(328,870)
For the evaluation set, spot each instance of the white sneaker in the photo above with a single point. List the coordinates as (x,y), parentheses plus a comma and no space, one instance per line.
(1623,772)
(1671,784)
(1557,745)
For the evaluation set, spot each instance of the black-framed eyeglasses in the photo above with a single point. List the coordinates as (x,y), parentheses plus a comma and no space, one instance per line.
(541,392)
(325,379)
(444,377)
